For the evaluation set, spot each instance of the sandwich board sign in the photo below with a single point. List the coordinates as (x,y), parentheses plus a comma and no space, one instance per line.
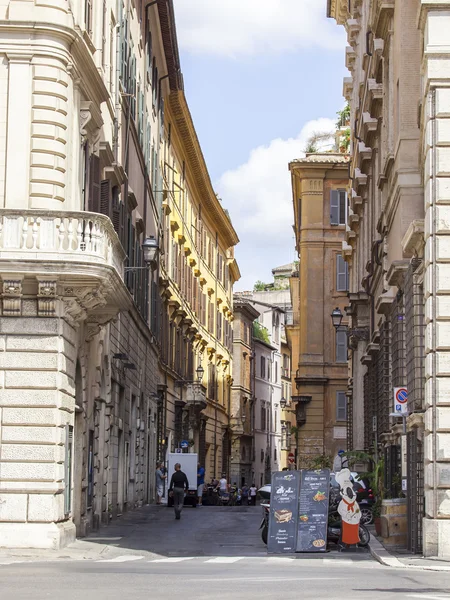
(313,504)
(401,401)
(283,518)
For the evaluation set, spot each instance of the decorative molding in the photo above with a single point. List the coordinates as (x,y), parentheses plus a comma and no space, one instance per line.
(12,297)
(46,298)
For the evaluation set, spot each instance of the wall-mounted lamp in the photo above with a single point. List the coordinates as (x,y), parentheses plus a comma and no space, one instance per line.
(150,249)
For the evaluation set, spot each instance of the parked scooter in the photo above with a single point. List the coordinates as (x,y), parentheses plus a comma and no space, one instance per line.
(334,534)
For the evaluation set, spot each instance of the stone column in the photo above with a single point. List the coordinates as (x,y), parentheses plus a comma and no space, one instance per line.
(17,175)
(435,23)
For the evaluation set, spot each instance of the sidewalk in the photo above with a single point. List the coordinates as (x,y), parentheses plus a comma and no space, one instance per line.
(403,560)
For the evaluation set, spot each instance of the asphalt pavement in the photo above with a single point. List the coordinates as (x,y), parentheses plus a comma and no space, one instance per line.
(210,552)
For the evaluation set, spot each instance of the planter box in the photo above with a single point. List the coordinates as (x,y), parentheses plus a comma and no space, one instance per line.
(394,524)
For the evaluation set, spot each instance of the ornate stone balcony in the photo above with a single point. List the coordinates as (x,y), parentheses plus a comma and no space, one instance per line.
(71,262)
(195,397)
(68,241)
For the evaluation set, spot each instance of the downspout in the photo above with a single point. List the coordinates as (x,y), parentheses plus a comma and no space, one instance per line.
(434,292)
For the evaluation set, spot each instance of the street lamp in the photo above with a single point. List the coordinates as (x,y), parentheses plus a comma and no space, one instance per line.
(150,248)
(283,403)
(336,318)
(200,372)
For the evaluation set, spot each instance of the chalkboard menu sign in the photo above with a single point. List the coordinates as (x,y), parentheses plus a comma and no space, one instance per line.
(313,511)
(283,512)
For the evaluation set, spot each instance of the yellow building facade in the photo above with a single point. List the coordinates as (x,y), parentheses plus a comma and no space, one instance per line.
(197,274)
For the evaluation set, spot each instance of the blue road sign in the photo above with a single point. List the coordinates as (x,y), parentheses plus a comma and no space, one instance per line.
(184,444)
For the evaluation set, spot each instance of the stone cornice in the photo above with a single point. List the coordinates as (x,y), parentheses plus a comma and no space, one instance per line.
(197,166)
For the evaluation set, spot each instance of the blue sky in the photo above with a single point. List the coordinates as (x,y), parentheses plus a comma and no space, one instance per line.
(260,79)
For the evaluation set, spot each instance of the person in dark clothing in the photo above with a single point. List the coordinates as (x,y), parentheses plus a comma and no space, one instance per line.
(178,486)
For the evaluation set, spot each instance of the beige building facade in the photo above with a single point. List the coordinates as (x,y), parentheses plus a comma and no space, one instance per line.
(243,393)
(114,289)
(399,59)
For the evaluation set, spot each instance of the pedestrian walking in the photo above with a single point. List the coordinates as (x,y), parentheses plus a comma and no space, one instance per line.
(160,477)
(253,492)
(223,485)
(245,492)
(200,483)
(179,485)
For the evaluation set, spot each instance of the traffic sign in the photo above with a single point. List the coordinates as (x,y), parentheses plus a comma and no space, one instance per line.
(291,458)
(400,400)
(178,451)
(184,444)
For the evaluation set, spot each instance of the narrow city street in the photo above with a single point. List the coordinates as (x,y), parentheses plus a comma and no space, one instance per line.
(210,552)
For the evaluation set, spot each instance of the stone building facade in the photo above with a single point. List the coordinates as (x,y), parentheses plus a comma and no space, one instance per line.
(399,57)
(318,353)
(85,150)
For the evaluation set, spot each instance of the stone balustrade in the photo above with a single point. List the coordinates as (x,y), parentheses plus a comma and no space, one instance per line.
(58,237)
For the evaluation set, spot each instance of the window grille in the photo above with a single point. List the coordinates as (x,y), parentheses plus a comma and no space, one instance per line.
(414,337)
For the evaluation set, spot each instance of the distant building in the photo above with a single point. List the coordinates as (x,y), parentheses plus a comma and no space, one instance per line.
(243,393)
(319,353)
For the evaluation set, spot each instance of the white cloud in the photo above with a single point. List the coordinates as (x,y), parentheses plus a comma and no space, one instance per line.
(234,28)
(259,198)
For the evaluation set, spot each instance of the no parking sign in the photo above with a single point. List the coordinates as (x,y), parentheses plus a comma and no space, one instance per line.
(401,401)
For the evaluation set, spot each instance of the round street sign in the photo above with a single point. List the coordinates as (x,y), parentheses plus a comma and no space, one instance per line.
(401,395)
(184,444)
(291,458)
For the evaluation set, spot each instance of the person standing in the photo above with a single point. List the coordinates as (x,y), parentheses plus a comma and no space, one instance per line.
(253,492)
(160,477)
(200,483)
(179,485)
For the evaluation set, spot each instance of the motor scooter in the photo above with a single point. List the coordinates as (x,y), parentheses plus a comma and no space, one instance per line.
(334,534)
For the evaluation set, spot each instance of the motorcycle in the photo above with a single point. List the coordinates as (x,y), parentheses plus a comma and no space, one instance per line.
(265,522)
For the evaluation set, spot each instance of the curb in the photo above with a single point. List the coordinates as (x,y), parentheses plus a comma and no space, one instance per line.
(379,553)
(384,557)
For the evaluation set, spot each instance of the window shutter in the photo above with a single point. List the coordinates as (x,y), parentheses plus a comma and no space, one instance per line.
(149,55)
(341,274)
(341,346)
(106,198)
(115,209)
(94,184)
(334,207)
(341,406)
(342,207)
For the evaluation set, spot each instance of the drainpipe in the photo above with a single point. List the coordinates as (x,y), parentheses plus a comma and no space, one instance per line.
(432,101)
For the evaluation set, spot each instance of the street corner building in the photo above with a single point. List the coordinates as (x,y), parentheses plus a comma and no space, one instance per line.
(116,265)
(319,285)
(397,249)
